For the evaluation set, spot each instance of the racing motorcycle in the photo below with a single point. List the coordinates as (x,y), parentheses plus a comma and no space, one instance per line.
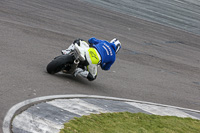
(67,63)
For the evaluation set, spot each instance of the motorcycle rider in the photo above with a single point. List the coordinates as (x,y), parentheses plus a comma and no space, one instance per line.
(100,52)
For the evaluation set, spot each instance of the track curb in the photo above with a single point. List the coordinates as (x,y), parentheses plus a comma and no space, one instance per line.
(13,111)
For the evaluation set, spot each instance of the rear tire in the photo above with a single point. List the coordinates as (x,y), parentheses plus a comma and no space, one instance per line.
(59,63)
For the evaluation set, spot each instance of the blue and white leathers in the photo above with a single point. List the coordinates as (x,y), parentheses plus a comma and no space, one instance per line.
(106,51)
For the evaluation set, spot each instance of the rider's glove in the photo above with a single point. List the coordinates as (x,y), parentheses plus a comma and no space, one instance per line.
(77,41)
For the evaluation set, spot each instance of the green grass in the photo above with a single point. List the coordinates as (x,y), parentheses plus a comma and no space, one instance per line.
(125,122)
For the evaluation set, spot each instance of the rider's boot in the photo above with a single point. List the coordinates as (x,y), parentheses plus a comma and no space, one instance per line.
(81,72)
(84,73)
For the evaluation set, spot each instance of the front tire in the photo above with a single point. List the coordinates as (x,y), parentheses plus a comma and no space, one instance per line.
(59,63)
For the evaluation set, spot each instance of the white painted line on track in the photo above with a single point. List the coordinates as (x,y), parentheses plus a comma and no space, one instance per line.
(158,110)
(77,106)
(10,114)
(35,124)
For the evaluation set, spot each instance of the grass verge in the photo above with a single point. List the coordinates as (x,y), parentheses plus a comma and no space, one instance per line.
(126,122)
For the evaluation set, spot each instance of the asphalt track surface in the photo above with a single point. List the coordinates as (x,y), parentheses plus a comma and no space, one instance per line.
(181,14)
(156,64)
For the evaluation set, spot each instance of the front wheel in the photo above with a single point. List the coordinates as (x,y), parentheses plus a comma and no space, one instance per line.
(59,63)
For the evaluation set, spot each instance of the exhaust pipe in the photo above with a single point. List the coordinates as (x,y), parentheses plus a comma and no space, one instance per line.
(74,66)
(76,62)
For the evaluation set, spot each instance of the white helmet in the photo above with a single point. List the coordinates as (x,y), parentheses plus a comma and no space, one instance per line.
(117,44)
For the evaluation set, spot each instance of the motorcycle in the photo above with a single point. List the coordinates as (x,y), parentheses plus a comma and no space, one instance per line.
(68,63)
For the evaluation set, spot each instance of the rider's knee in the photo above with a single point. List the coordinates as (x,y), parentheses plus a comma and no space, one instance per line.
(90,77)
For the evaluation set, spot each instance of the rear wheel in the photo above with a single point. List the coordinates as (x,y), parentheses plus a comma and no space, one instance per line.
(59,63)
